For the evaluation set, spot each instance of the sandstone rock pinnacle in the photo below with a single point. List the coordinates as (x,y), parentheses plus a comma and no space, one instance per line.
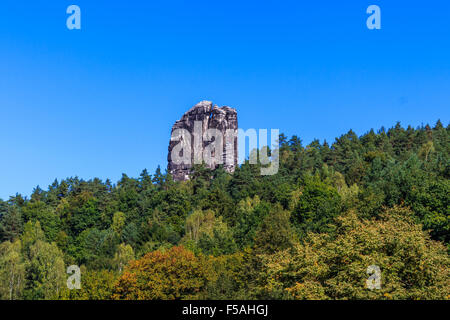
(201,117)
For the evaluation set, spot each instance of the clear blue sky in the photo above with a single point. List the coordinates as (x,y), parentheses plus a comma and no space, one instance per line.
(101,101)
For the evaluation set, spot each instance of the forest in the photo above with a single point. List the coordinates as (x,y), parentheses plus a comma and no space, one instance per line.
(308,232)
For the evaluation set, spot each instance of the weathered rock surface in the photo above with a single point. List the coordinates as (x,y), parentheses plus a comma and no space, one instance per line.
(207,116)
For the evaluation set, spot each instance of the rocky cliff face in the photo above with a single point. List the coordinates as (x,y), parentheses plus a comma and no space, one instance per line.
(205,133)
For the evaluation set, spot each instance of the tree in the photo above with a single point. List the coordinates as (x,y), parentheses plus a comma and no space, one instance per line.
(47,217)
(32,232)
(12,270)
(46,276)
(318,204)
(335,266)
(95,285)
(96,248)
(275,232)
(11,224)
(123,255)
(174,274)
(250,214)
(85,212)
(208,234)
(158,177)
(228,280)
(118,222)
(198,223)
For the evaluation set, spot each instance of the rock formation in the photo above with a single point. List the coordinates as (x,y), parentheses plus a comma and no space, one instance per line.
(198,120)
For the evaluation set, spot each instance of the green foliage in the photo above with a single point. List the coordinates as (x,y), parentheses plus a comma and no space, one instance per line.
(96,248)
(251,213)
(46,278)
(208,234)
(306,232)
(32,233)
(226,281)
(95,285)
(118,222)
(275,232)
(11,223)
(318,204)
(12,270)
(47,217)
(123,255)
(334,266)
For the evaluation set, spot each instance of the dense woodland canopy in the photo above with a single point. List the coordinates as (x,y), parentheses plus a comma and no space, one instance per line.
(308,232)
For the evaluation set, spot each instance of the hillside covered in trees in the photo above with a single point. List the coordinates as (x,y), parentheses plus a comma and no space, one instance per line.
(308,232)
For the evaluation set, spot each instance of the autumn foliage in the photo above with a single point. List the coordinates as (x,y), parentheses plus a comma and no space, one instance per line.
(174,274)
